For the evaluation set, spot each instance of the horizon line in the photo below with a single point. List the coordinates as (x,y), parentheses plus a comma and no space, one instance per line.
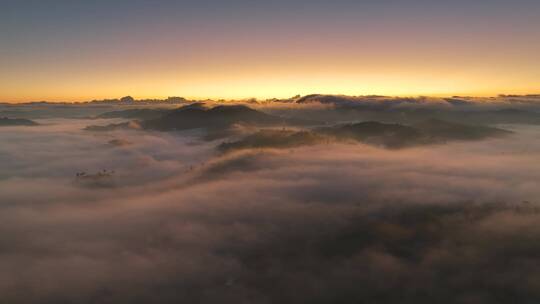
(239,99)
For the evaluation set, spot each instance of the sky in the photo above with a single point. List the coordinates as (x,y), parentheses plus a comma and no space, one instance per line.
(61,50)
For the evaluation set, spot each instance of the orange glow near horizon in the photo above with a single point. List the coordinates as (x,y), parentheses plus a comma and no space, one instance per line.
(268,50)
(267,86)
(281,73)
(239,79)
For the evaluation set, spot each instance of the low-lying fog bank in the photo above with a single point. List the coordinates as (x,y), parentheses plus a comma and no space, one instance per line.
(144,216)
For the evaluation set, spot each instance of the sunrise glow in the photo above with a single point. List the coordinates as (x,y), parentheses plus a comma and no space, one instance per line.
(74,51)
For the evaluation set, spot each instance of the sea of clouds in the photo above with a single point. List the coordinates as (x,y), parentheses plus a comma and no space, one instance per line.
(334,223)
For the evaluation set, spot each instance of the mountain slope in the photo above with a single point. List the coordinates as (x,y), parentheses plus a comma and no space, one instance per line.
(390,136)
(4,121)
(193,117)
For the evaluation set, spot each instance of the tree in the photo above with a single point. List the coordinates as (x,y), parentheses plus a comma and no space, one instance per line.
(127,99)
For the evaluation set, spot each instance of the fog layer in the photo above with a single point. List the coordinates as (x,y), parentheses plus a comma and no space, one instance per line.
(179,222)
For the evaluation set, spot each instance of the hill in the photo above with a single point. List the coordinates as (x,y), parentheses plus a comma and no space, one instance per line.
(135,114)
(4,121)
(390,136)
(281,139)
(219,117)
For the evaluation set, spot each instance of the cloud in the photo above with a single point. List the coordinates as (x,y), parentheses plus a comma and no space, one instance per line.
(452,223)
(411,110)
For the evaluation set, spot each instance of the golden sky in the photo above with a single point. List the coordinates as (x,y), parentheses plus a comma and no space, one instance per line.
(75,51)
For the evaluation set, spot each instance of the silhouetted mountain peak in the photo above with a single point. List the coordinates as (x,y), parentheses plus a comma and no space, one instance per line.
(197,116)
